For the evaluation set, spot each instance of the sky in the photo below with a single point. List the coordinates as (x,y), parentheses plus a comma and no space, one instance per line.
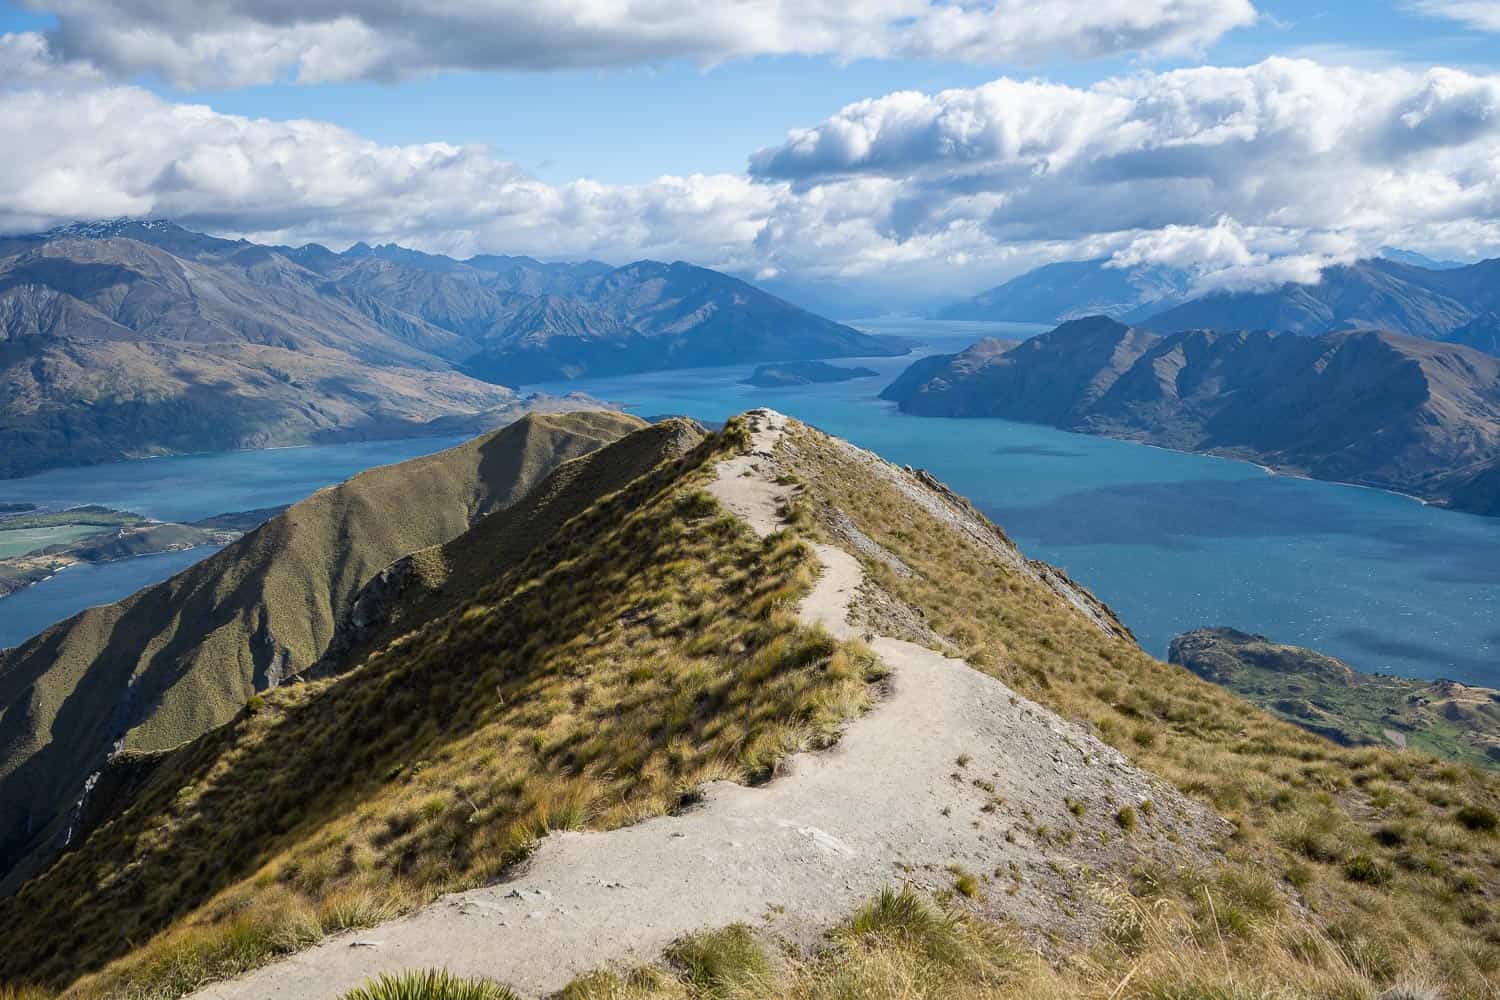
(888,155)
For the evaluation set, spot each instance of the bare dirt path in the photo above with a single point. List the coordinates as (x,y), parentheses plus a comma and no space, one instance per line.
(951,769)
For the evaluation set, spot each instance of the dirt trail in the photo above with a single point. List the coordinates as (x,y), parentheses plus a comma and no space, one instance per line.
(951,768)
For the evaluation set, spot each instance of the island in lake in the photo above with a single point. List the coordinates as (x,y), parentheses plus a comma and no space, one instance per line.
(804,373)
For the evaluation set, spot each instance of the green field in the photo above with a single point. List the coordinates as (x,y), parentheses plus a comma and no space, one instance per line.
(20,541)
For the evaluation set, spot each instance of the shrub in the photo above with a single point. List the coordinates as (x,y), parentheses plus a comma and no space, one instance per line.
(720,963)
(1363,868)
(1478,818)
(1126,818)
(430,984)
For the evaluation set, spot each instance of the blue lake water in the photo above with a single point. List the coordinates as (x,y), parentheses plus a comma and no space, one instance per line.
(1171,541)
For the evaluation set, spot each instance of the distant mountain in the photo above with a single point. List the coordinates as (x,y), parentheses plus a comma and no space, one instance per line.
(1418,259)
(1368,407)
(1368,294)
(1076,288)
(179,658)
(1399,290)
(128,339)
(650,315)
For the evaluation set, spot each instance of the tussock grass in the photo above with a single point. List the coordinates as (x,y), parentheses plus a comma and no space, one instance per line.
(1383,858)
(649,646)
(430,984)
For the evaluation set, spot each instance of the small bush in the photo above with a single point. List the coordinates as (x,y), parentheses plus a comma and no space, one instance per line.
(430,984)
(1363,868)
(1478,818)
(720,963)
(965,882)
(1127,819)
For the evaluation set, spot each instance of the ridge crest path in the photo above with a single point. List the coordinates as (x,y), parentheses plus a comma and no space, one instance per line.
(798,854)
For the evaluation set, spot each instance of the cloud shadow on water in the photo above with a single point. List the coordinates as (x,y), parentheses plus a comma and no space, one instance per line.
(1439,662)
(1038,451)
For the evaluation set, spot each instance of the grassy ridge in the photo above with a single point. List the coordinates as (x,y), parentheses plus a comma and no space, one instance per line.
(1352,867)
(435,579)
(177,659)
(649,646)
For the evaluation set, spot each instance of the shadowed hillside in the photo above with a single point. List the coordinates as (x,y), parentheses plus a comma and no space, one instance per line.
(180,658)
(1366,407)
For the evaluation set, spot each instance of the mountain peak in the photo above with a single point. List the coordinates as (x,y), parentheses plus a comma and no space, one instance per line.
(102,229)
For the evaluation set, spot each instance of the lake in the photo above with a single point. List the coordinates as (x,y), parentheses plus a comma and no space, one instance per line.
(1170,541)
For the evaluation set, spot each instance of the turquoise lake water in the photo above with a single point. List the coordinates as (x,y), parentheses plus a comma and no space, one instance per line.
(1171,541)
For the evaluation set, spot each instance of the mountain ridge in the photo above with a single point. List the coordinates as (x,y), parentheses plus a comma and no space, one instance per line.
(1366,407)
(189,651)
(1395,290)
(1028,803)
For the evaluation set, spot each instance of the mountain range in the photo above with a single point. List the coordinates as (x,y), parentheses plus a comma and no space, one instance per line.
(1398,291)
(1368,407)
(134,338)
(750,713)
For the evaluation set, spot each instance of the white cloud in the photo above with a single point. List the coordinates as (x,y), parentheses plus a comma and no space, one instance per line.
(1228,256)
(1482,15)
(240,42)
(1243,176)
(1283,146)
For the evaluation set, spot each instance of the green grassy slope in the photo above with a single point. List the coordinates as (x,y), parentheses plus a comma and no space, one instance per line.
(1329,697)
(647,645)
(179,658)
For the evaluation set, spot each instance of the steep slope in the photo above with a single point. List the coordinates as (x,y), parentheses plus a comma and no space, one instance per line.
(1054,293)
(1327,696)
(112,346)
(428,583)
(74,401)
(849,807)
(1376,293)
(1367,407)
(181,657)
(651,645)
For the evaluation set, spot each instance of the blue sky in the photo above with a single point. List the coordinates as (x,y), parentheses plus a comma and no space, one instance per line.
(1070,135)
(629,125)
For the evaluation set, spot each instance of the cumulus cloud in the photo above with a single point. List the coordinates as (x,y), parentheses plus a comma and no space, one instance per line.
(1243,177)
(1283,146)
(1482,15)
(239,42)
(124,151)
